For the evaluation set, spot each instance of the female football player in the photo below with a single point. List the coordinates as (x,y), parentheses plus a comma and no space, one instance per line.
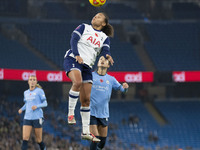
(99,105)
(35,100)
(87,42)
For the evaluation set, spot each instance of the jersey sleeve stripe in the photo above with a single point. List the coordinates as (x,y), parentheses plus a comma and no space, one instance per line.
(106,45)
(77,33)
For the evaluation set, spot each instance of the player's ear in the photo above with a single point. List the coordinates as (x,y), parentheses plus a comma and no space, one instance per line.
(103,24)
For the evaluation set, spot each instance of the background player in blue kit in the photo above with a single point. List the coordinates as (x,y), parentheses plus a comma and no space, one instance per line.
(87,42)
(34,99)
(99,101)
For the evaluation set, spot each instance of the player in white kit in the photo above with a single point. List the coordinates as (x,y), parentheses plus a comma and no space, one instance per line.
(87,42)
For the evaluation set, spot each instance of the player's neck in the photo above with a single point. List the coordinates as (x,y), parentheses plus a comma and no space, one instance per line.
(102,71)
(32,88)
(97,28)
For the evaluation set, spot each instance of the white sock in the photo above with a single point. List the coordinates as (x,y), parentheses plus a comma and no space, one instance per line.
(73,98)
(85,116)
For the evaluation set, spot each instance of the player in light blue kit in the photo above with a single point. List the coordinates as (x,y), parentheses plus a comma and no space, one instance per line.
(87,42)
(34,99)
(99,101)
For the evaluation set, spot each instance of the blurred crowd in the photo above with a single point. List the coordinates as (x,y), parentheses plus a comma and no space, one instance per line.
(63,137)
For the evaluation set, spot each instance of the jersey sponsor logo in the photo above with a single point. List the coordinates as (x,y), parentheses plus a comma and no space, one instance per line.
(29,97)
(1,74)
(107,82)
(54,76)
(94,41)
(136,77)
(179,77)
(26,74)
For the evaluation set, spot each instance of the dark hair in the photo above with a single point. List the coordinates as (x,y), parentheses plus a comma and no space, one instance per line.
(107,29)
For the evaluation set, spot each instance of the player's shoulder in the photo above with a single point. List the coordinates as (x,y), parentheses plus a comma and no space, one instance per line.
(26,91)
(110,77)
(39,89)
(95,74)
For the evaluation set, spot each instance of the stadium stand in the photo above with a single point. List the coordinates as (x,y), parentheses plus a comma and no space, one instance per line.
(186,11)
(14,55)
(13,8)
(122,11)
(173,45)
(56,10)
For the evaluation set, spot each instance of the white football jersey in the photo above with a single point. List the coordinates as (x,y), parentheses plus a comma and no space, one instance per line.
(90,44)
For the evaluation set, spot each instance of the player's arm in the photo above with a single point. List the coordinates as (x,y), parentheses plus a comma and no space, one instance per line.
(22,109)
(124,87)
(106,51)
(117,86)
(76,35)
(43,104)
(43,101)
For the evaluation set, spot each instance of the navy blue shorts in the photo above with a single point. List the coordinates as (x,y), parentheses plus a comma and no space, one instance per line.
(98,121)
(34,123)
(71,64)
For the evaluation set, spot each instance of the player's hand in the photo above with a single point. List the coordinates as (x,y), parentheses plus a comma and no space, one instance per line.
(34,107)
(79,59)
(125,85)
(19,111)
(110,59)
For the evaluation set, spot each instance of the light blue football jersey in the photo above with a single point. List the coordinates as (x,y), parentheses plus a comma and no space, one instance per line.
(36,97)
(101,93)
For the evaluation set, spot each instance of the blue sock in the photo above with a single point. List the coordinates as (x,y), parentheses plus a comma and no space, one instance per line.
(24,145)
(102,143)
(42,146)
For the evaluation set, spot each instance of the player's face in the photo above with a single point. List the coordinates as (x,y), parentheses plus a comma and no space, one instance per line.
(103,62)
(32,81)
(98,20)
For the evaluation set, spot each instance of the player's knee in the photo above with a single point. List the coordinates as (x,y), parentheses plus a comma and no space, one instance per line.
(77,84)
(26,138)
(38,139)
(102,142)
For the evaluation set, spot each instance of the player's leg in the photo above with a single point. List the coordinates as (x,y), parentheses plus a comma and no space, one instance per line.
(85,106)
(26,132)
(103,132)
(85,112)
(94,130)
(73,71)
(75,76)
(38,133)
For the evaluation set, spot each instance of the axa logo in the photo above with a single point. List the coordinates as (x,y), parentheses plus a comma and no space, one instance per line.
(1,74)
(179,77)
(136,77)
(94,41)
(54,76)
(27,74)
